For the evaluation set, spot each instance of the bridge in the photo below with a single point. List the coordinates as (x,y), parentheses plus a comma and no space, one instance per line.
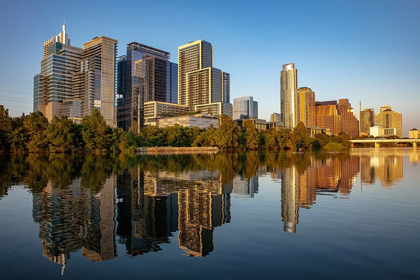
(379,141)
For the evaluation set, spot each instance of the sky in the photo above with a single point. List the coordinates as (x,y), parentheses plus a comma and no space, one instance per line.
(366,51)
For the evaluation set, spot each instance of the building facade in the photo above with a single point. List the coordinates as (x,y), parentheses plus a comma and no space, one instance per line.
(306,107)
(389,119)
(245,108)
(144,74)
(367,120)
(348,121)
(94,82)
(327,116)
(54,83)
(215,109)
(200,121)
(154,110)
(199,83)
(288,96)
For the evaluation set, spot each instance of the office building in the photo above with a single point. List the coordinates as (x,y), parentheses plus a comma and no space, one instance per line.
(144,74)
(367,120)
(338,117)
(389,119)
(154,110)
(288,96)
(327,116)
(200,121)
(94,82)
(348,121)
(306,107)
(198,82)
(62,38)
(378,131)
(245,108)
(54,84)
(215,109)
(414,133)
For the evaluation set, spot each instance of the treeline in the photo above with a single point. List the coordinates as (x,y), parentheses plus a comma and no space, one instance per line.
(34,134)
(229,137)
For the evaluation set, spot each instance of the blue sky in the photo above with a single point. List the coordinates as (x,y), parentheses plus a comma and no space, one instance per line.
(360,50)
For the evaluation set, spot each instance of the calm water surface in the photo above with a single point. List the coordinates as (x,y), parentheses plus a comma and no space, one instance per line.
(228,216)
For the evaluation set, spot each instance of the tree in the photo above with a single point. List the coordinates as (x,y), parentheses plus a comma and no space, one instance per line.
(226,135)
(36,125)
(251,135)
(302,138)
(62,135)
(6,129)
(95,133)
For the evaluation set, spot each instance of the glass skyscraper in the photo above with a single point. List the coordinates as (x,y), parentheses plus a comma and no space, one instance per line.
(288,96)
(245,108)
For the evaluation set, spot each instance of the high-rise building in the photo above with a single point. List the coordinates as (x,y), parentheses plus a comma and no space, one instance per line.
(62,38)
(146,71)
(198,82)
(389,119)
(54,84)
(348,121)
(338,117)
(193,56)
(288,96)
(94,82)
(367,120)
(327,116)
(245,108)
(306,107)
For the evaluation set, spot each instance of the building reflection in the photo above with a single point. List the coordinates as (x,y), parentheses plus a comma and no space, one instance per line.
(387,169)
(74,218)
(299,188)
(141,208)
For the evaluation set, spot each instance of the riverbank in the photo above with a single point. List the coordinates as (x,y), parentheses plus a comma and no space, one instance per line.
(177,150)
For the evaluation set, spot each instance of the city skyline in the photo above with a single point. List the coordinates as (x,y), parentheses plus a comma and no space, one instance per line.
(355,61)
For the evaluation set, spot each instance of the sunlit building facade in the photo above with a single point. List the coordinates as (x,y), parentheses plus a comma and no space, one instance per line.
(306,107)
(198,82)
(348,121)
(367,120)
(389,119)
(245,108)
(288,96)
(54,84)
(327,116)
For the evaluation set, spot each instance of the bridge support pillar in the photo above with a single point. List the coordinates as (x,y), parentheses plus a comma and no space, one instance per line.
(351,145)
(414,145)
(377,145)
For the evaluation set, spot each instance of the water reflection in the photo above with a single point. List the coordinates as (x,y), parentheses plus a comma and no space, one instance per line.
(91,204)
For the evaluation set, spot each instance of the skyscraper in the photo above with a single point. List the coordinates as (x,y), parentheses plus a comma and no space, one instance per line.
(199,83)
(94,83)
(193,56)
(62,38)
(327,116)
(348,122)
(389,119)
(367,120)
(306,107)
(288,96)
(146,71)
(245,107)
(54,84)
(337,116)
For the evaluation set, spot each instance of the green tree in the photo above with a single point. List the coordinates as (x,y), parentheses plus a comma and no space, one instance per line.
(95,133)
(251,135)
(226,136)
(36,125)
(301,135)
(63,136)
(6,129)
